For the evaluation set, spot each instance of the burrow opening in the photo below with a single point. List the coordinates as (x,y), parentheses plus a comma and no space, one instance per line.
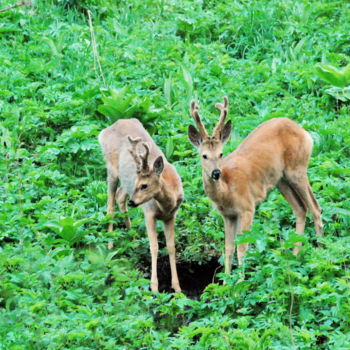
(193,276)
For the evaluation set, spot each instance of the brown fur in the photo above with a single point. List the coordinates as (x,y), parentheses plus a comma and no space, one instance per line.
(276,153)
(129,163)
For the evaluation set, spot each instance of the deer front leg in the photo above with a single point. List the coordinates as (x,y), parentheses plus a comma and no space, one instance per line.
(153,244)
(246,221)
(230,224)
(169,229)
(121,200)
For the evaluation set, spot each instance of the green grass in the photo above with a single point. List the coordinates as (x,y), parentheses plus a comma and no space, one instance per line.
(59,287)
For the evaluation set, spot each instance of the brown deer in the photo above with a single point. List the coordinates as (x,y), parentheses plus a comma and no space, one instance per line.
(276,153)
(146,179)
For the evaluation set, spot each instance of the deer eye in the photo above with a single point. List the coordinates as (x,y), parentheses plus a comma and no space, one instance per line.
(144,186)
(220,155)
(205,156)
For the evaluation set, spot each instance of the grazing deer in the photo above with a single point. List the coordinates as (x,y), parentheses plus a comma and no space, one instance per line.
(276,153)
(147,179)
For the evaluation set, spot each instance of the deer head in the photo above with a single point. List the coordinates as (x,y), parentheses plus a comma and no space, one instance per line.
(147,184)
(210,147)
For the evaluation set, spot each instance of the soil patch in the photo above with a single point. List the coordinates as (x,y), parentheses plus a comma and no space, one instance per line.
(194,277)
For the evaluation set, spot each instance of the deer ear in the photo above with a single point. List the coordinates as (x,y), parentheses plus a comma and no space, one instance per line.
(194,136)
(226,132)
(158,165)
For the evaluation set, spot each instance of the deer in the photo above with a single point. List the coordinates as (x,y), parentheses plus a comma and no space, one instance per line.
(275,154)
(138,174)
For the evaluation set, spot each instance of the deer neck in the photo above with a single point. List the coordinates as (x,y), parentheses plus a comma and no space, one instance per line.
(165,198)
(214,189)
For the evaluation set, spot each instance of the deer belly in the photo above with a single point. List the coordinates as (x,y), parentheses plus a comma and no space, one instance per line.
(259,196)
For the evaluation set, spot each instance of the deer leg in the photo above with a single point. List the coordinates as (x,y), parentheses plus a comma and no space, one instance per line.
(316,213)
(300,184)
(298,207)
(153,243)
(121,200)
(112,182)
(246,221)
(230,224)
(112,186)
(169,229)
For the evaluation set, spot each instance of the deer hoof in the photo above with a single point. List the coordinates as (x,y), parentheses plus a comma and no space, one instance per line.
(127,223)
(176,288)
(295,251)
(154,287)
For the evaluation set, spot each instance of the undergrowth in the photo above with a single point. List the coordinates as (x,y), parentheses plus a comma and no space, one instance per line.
(60,288)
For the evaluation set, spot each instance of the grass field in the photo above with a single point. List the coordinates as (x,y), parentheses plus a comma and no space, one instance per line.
(60,288)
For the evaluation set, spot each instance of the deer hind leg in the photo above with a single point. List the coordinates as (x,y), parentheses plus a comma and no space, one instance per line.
(121,200)
(316,213)
(112,182)
(298,207)
(300,184)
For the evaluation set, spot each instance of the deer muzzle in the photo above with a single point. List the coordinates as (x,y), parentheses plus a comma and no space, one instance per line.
(215,175)
(132,204)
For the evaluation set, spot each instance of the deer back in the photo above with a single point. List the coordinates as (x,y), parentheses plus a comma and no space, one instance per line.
(276,146)
(116,148)
(142,169)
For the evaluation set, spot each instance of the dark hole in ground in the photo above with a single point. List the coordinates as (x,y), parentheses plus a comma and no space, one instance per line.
(193,277)
(322,339)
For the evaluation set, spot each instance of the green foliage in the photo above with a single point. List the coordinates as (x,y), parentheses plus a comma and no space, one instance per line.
(68,229)
(85,4)
(339,78)
(60,287)
(123,104)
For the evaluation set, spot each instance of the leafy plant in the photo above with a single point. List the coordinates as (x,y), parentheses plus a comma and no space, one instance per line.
(124,104)
(68,229)
(60,286)
(84,4)
(339,78)
(335,76)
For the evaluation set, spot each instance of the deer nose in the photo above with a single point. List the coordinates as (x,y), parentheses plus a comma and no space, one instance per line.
(132,204)
(215,174)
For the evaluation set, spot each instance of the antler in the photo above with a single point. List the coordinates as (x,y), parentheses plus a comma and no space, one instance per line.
(144,157)
(140,160)
(133,152)
(194,113)
(223,108)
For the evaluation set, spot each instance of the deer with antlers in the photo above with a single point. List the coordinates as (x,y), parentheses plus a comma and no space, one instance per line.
(276,153)
(146,179)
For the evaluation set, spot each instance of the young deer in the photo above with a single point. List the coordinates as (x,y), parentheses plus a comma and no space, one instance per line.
(276,153)
(147,179)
